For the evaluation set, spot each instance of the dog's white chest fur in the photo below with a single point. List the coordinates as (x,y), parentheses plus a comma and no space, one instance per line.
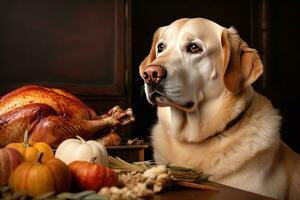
(236,157)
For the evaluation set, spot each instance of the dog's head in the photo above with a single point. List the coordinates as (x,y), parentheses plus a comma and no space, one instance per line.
(194,60)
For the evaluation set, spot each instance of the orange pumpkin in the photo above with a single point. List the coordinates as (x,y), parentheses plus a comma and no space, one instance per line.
(9,160)
(92,176)
(29,152)
(35,178)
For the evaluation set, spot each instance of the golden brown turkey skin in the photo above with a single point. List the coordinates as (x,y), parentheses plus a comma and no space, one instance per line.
(62,102)
(51,116)
(14,123)
(54,129)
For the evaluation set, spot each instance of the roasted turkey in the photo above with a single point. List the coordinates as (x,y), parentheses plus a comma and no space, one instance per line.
(52,115)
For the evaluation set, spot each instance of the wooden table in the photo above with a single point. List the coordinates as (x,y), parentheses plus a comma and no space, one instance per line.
(225,193)
(129,153)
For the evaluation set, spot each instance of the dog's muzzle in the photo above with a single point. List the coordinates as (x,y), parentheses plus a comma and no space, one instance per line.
(153,75)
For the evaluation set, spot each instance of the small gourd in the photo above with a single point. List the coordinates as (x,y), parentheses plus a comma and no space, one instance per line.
(36,178)
(9,160)
(92,176)
(79,149)
(30,152)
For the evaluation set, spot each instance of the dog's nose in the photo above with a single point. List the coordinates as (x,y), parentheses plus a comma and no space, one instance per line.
(153,74)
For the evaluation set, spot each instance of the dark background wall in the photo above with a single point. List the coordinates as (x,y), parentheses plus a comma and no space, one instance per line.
(284,87)
(279,48)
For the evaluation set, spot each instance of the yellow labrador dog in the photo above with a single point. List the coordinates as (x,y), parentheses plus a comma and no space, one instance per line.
(199,74)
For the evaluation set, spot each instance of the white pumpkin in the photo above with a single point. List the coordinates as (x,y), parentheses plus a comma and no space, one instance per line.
(79,149)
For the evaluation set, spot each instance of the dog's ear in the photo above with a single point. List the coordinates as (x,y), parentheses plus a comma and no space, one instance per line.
(152,54)
(242,65)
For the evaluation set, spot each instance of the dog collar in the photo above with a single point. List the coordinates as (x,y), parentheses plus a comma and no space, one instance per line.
(232,122)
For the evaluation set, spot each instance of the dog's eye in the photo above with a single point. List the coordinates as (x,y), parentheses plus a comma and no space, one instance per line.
(193,48)
(160,47)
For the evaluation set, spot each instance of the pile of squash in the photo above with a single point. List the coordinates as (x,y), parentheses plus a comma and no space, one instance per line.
(34,169)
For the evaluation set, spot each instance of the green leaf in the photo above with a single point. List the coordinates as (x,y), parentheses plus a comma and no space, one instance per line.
(45,195)
(4,189)
(84,193)
(66,195)
(95,197)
